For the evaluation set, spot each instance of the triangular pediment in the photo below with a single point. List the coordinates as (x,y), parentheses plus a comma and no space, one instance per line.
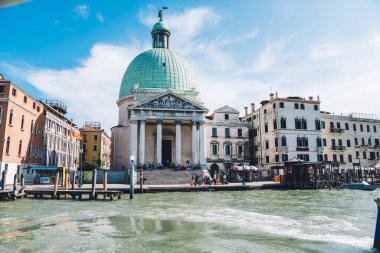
(226,109)
(170,101)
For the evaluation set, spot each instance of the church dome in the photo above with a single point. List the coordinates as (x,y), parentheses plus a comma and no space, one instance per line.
(158,68)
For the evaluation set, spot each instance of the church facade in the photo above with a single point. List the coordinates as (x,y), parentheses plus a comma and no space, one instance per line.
(161,120)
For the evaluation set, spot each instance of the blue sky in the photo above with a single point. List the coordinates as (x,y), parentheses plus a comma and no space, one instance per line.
(77,51)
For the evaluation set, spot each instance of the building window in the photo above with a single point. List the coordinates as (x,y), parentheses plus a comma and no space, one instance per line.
(350,158)
(227,132)
(274,105)
(34,105)
(346,126)
(341,158)
(265,111)
(304,157)
(8,145)
(302,142)
(283,141)
(240,150)
(1,114)
(214,132)
(357,154)
(84,137)
(335,158)
(94,157)
(38,108)
(377,142)
(354,126)
(295,106)
(319,142)
(332,125)
(10,117)
(302,106)
(25,99)
(84,148)
(363,142)
(240,132)
(276,142)
(348,143)
(323,125)
(338,125)
(356,142)
(95,137)
(316,107)
(277,158)
(226,116)
(267,159)
(300,123)
(95,147)
(214,149)
(266,127)
(361,128)
(274,123)
(374,127)
(227,149)
(364,155)
(22,122)
(320,158)
(266,144)
(14,92)
(281,104)
(317,124)
(368,128)
(325,157)
(19,147)
(1,89)
(283,122)
(324,142)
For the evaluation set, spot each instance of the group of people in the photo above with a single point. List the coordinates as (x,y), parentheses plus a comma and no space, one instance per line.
(217,179)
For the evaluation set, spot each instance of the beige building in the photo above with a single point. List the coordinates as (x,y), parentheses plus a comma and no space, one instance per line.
(96,144)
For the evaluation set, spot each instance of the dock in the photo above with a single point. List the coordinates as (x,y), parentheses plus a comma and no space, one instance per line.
(74,194)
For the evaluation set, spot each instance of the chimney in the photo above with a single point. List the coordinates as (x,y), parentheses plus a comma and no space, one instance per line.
(310,98)
(271,95)
(252,107)
(246,110)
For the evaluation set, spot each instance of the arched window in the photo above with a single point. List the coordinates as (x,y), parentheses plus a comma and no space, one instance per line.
(19,147)
(283,122)
(22,122)
(31,126)
(8,145)
(319,142)
(283,141)
(281,104)
(274,123)
(299,142)
(227,149)
(276,142)
(10,117)
(302,106)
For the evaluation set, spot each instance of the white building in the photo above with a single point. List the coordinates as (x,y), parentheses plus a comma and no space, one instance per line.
(284,128)
(226,139)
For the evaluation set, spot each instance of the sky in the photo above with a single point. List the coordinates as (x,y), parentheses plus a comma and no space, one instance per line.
(78,51)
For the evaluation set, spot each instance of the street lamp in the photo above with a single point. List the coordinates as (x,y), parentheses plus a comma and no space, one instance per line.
(132,176)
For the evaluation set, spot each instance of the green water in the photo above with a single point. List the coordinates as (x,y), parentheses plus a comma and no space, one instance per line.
(253,221)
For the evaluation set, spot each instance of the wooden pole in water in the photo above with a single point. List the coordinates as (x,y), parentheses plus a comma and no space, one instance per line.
(93,191)
(56,185)
(141,181)
(73,181)
(3,175)
(15,187)
(376,241)
(104,182)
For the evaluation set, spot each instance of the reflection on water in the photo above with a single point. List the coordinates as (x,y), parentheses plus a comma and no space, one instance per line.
(254,221)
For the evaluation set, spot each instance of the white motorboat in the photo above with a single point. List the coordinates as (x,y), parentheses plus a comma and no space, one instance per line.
(360,186)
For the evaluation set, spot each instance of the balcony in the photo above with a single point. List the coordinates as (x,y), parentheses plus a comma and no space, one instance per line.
(302,148)
(336,130)
(284,149)
(338,148)
(320,149)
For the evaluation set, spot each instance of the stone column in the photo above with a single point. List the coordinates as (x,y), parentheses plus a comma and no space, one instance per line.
(195,143)
(159,142)
(178,142)
(133,139)
(202,143)
(142,143)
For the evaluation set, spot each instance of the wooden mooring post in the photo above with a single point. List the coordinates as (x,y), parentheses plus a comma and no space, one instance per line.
(54,196)
(141,181)
(3,176)
(15,178)
(376,241)
(104,182)
(93,187)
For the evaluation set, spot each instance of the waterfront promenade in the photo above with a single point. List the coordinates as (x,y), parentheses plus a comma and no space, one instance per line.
(262,185)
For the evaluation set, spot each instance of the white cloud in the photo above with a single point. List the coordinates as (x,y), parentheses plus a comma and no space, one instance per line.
(328,49)
(99,17)
(82,11)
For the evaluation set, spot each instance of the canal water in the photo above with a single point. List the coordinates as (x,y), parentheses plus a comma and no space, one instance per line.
(250,221)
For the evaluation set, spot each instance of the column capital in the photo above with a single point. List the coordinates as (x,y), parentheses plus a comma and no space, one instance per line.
(133,121)
(201,122)
(178,122)
(142,120)
(194,122)
(159,122)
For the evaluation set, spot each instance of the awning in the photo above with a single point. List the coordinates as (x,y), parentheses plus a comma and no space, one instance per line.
(43,168)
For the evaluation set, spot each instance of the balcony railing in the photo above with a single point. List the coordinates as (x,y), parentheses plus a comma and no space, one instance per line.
(302,148)
(338,148)
(336,130)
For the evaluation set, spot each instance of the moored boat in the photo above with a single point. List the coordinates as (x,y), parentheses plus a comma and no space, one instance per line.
(360,186)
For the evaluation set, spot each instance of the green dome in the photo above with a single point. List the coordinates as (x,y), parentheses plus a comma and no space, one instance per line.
(158,68)
(160,25)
